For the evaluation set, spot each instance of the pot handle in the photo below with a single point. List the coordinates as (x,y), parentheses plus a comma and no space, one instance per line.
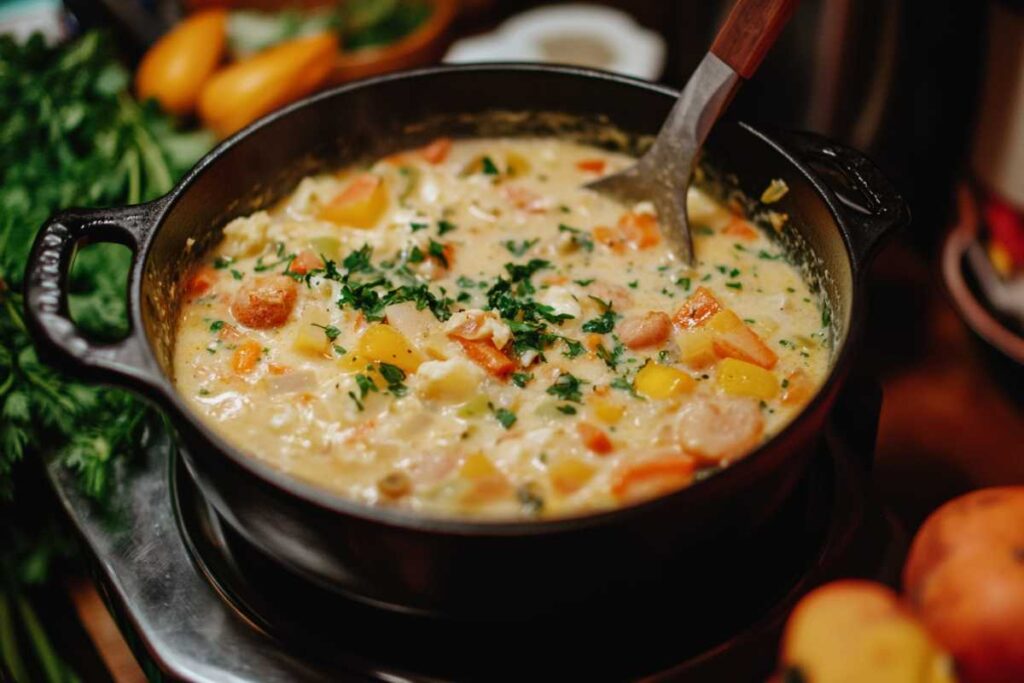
(867,198)
(56,336)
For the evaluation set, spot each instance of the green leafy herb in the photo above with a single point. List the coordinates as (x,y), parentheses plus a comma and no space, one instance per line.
(566,409)
(580,238)
(330,331)
(520,248)
(567,388)
(444,227)
(520,379)
(489,167)
(505,416)
(395,377)
(436,250)
(604,323)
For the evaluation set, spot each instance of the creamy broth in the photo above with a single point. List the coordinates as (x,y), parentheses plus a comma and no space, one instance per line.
(463,330)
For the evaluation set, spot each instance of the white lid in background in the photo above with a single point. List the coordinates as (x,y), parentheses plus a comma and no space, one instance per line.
(580,34)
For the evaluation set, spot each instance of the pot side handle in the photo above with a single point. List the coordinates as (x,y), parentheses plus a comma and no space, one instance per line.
(56,336)
(867,198)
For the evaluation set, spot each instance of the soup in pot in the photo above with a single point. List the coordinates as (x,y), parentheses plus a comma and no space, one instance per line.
(463,330)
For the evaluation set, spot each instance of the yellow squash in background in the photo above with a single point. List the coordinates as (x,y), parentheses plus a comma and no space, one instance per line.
(178,65)
(246,90)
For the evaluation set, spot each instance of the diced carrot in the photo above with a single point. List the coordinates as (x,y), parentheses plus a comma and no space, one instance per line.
(306,261)
(276,368)
(741,228)
(591,165)
(436,151)
(200,281)
(555,280)
(265,302)
(610,238)
(733,339)
(640,229)
(697,309)
(594,438)
(486,355)
(799,388)
(360,204)
(245,357)
(651,478)
(593,341)
(228,333)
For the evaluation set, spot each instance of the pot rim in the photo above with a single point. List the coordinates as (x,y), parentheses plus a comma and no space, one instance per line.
(413,521)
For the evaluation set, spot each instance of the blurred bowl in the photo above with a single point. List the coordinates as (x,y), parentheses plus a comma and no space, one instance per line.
(1003,344)
(425,45)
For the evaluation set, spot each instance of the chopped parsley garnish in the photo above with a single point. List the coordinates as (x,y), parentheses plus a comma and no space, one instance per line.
(395,377)
(280,255)
(826,316)
(237,274)
(355,399)
(366,385)
(415,255)
(520,379)
(567,388)
(573,348)
(505,416)
(734,285)
(703,230)
(359,261)
(611,358)
(436,250)
(489,167)
(584,283)
(518,249)
(216,326)
(767,256)
(222,262)
(566,409)
(604,323)
(623,384)
(340,350)
(444,227)
(685,283)
(633,284)
(330,331)
(416,227)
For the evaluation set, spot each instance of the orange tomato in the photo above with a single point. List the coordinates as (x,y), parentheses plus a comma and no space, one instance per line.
(254,87)
(175,69)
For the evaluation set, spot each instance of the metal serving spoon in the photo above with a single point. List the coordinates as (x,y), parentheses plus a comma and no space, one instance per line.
(662,175)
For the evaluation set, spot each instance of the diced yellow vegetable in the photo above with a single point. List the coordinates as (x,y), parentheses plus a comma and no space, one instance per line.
(478,466)
(360,204)
(474,407)
(607,410)
(739,378)
(696,349)
(382,343)
(516,165)
(450,381)
(569,474)
(311,340)
(663,381)
(328,247)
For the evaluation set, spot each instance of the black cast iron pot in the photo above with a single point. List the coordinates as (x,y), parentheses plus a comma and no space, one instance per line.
(839,208)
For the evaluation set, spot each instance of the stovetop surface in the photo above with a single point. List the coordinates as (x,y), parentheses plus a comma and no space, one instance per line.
(199,604)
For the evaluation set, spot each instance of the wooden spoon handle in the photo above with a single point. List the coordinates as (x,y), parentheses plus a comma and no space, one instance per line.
(749,32)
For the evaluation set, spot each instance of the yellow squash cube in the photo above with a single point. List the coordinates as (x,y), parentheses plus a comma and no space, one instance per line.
(662,381)
(311,340)
(607,410)
(478,466)
(696,348)
(569,474)
(360,204)
(381,343)
(739,378)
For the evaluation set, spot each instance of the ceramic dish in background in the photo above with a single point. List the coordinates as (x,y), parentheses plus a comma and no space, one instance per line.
(1004,344)
(424,45)
(578,34)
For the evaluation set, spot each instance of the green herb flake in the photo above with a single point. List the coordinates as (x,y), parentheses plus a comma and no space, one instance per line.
(567,387)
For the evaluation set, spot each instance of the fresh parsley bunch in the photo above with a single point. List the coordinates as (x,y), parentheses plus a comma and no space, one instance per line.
(72,135)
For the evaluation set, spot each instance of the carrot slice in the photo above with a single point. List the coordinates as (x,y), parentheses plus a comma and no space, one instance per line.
(245,357)
(799,388)
(739,227)
(591,165)
(486,355)
(610,238)
(200,281)
(733,339)
(640,229)
(697,309)
(436,151)
(594,438)
(651,478)
(306,261)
